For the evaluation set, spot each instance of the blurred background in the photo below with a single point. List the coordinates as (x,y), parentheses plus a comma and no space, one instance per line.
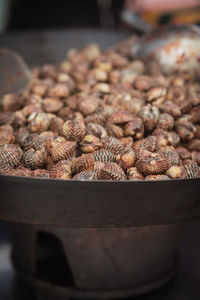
(47,14)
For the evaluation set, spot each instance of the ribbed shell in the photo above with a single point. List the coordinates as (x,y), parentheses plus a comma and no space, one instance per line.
(127,159)
(120,117)
(10,156)
(115,131)
(154,164)
(113,144)
(150,116)
(104,156)
(42,173)
(85,175)
(61,170)
(111,171)
(150,143)
(193,171)
(134,128)
(34,159)
(95,118)
(134,174)
(171,155)
(33,141)
(6,135)
(157,177)
(96,129)
(83,163)
(60,149)
(74,130)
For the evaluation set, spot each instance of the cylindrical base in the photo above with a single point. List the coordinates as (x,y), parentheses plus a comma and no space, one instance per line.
(91,263)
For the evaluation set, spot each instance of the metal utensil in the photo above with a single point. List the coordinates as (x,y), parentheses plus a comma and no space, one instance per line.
(14,73)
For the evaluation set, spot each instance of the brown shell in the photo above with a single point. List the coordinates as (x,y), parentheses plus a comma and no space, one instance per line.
(127,142)
(56,125)
(111,171)
(85,175)
(6,118)
(177,172)
(134,175)
(60,90)
(90,143)
(112,144)
(6,135)
(161,136)
(11,103)
(166,122)
(34,141)
(38,122)
(194,145)
(96,129)
(150,116)
(152,165)
(104,156)
(42,173)
(10,156)
(134,128)
(74,130)
(195,155)
(34,159)
(186,131)
(52,105)
(170,108)
(150,144)
(60,149)
(193,171)
(173,138)
(83,163)
(157,177)
(115,131)
(88,105)
(183,152)
(61,170)
(120,117)
(171,155)
(20,171)
(127,159)
(98,166)
(95,118)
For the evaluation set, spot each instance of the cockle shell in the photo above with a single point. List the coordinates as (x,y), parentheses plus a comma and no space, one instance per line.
(195,155)
(170,108)
(157,177)
(183,152)
(112,144)
(60,90)
(120,117)
(95,118)
(88,105)
(166,122)
(60,149)
(170,154)
(52,105)
(42,173)
(6,135)
(115,131)
(134,175)
(134,128)
(34,159)
(39,122)
(90,143)
(96,129)
(152,164)
(85,175)
(150,116)
(61,170)
(34,141)
(127,159)
(11,102)
(194,145)
(74,130)
(10,156)
(111,171)
(150,144)
(83,163)
(193,171)
(6,118)
(104,156)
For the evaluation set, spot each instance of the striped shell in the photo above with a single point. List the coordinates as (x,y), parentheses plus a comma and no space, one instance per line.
(171,155)
(20,171)
(193,171)
(90,143)
(134,128)
(85,175)
(126,160)
(150,143)
(157,177)
(42,173)
(95,118)
(104,156)
(150,116)
(134,174)
(83,163)
(88,105)
(111,171)
(120,117)
(33,141)
(153,164)
(112,144)
(166,122)
(39,122)
(34,159)
(60,149)
(96,129)
(74,130)
(10,156)
(61,170)
(115,131)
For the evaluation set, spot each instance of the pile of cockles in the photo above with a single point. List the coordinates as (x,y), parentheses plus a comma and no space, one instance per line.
(102,116)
